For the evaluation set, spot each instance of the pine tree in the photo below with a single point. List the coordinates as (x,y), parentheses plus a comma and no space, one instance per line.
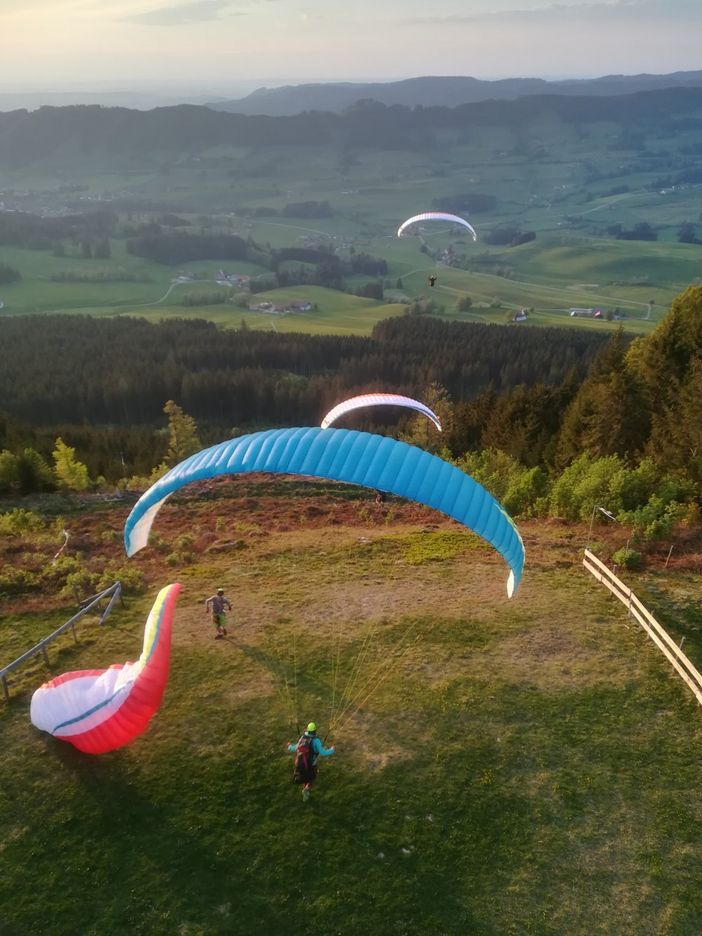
(70,473)
(182,431)
(608,415)
(422,431)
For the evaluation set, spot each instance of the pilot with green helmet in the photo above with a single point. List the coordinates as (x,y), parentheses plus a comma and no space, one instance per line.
(307,751)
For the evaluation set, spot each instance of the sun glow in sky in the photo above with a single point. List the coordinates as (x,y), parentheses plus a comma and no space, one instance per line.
(59,43)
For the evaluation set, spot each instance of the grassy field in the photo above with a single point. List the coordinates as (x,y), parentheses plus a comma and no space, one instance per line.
(523,767)
(557,181)
(546,281)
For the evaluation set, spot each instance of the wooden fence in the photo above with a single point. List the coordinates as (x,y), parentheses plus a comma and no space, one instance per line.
(661,638)
(113,593)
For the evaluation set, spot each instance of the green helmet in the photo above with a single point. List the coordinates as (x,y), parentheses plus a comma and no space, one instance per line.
(312,726)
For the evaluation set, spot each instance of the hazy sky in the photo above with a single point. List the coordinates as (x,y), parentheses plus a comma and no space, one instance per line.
(60,43)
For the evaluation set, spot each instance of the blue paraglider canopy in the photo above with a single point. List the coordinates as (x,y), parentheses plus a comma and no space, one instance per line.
(372,461)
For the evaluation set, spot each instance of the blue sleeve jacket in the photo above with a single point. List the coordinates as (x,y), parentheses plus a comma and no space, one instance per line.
(318,749)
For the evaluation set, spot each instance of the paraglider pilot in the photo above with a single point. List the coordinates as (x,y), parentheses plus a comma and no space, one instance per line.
(432,280)
(216,604)
(307,751)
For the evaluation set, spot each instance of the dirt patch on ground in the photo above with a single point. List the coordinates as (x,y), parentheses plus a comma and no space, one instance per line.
(552,659)
(367,740)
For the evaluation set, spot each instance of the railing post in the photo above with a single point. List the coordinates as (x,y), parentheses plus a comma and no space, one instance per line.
(680,662)
(115,591)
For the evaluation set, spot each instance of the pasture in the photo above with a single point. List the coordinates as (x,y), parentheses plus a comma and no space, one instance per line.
(567,184)
(524,766)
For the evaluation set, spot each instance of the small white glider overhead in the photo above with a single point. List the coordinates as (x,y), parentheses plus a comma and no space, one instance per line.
(378,399)
(436,216)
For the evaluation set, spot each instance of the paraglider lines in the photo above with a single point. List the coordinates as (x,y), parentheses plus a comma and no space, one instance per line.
(376,680)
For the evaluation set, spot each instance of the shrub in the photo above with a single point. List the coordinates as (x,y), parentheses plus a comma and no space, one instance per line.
(583,485)
(34,474)
(9,472)
(17,581)
(521,490)
(627,558)
(131,578)
(80,584)
(71,474)
(525,492)
(491,468)
(20,521)
(656,518)
(57,573)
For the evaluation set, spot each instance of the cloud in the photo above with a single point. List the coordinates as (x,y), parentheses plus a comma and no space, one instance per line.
(199,11)
(624,11)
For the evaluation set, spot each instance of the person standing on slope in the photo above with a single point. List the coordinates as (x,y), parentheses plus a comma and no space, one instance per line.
(216,604)
(307,750)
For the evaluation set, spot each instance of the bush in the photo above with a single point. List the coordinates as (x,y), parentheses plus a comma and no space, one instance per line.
(525,492)
(19,521)
(17,581)
(585,484)
(34,474)
(9,472)
(491,468)
(80,584)
(58,573)
(519,489)
(656,518)
(627,558)
(131,578)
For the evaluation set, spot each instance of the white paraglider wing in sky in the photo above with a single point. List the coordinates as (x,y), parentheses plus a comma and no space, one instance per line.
(436,216)
(378,399)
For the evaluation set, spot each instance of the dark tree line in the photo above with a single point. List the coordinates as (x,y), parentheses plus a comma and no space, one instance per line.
(545,397)
(509,237)
(9,274)
(26,136)
(641,231)
(308,209)
(120,371)
(173,248)
(36,232)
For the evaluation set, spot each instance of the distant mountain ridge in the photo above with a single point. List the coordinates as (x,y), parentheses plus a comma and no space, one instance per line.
(438,91)
(113,132)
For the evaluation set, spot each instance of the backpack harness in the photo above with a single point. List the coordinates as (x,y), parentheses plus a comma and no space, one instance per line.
(304,769)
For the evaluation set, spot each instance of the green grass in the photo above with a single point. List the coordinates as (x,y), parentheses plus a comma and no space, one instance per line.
(336,312)
(524,767)
(552,179)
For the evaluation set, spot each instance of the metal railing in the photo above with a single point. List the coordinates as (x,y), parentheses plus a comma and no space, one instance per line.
(661,638)
(113,593)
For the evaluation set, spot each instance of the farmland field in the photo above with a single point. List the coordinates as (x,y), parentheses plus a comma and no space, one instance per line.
(564,197)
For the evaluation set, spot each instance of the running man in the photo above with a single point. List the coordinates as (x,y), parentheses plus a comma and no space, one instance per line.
(216,605)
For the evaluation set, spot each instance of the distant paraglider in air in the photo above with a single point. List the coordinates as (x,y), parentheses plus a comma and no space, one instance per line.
(378,399)
(373,461)
(404,228)
(102,710)
(432,280)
